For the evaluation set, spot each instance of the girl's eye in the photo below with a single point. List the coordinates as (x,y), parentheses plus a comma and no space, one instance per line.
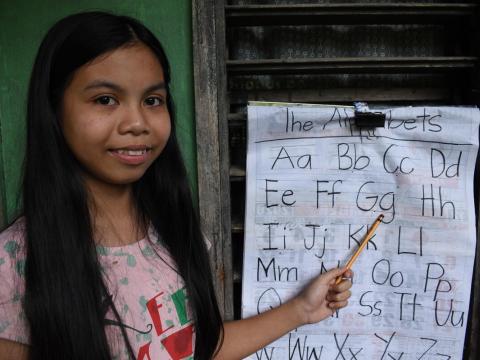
(105,100)
(154,101)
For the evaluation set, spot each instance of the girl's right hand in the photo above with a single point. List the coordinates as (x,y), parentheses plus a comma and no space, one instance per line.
(322,297)
(317,301)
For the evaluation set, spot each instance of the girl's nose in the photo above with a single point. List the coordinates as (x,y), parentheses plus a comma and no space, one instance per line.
(133,121)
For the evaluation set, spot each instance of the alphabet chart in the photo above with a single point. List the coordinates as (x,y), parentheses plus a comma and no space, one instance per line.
(316,183)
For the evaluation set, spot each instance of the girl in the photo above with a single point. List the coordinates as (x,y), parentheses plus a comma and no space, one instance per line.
(108,260)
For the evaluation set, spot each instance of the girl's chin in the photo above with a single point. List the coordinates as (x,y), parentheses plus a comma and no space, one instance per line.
(121,180)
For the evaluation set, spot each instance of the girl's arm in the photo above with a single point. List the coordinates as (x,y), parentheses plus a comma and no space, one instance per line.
(10,350)
(316,302)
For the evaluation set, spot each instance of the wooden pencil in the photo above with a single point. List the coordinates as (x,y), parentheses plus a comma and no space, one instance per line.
(364,243)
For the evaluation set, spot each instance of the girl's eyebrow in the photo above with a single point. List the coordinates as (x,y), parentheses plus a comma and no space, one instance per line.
(107,84)
(155,87)
(103,84)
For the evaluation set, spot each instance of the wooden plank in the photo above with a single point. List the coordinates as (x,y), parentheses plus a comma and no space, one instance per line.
(237,227)
(347,14)
(212,142)
(342,96)
(237,172)
(364,65)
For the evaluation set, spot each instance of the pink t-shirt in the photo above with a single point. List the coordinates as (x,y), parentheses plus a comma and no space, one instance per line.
(148,294)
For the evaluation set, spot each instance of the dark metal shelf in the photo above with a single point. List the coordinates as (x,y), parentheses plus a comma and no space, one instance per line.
(372,65)
(358,13)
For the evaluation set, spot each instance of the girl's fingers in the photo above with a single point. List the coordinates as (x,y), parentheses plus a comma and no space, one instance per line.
(331,275)
(339,296)
(337,304)
(345,274)
(342,286)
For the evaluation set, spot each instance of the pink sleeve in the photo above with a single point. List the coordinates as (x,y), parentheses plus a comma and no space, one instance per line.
(13,325)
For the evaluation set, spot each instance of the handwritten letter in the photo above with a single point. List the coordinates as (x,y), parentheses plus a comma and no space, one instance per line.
(315,183)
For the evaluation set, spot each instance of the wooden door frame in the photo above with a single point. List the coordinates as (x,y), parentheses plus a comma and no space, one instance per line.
(211,109)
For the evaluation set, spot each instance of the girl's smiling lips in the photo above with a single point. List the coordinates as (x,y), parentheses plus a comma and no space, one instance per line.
(131,155)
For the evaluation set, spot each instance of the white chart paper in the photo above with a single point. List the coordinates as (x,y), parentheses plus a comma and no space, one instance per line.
(315,183)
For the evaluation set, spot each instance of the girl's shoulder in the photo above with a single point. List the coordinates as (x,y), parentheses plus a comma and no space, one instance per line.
(12,260)
(12,241)
(12,283)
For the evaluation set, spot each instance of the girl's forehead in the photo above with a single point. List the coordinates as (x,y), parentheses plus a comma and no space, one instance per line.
(133,65)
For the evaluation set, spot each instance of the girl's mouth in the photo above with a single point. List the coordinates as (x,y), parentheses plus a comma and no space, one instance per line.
(134,155)
(131,152)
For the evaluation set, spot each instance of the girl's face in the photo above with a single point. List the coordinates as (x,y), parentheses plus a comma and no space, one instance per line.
(114,116)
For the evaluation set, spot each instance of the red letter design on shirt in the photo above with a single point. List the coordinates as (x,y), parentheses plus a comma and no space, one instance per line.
(179,344)
(144,351)
(153,307)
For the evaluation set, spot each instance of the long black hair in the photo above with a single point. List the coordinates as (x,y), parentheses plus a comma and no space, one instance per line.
(65,295)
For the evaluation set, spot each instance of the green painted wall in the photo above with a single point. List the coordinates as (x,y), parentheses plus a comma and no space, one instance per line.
(24,23)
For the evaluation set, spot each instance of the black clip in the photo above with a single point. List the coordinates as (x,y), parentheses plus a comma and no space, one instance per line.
(364,118)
